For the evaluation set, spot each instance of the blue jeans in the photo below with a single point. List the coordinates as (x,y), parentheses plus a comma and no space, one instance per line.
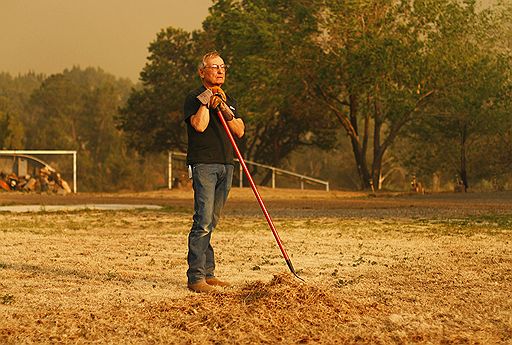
(211,184)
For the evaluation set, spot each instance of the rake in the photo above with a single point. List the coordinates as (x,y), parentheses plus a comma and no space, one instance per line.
(257,194)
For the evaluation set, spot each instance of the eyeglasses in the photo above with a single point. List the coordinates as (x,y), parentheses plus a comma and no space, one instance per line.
(218,67)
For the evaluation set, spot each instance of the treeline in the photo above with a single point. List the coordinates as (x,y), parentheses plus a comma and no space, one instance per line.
(405,87)
(371,93)
(76,110)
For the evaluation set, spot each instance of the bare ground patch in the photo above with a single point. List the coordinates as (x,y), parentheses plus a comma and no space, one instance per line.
(119,277)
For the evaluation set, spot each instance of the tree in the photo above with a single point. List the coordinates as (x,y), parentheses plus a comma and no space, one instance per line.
(152,119)
(373,73)
(254,38)
(269,45)
(303,69)
(14,95)
(11,132)
(75,110)
(470,77)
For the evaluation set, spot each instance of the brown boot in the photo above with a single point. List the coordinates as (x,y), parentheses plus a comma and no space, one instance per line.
(217,282)
(201,286)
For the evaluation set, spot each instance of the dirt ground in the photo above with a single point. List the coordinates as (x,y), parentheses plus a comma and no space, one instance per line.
(379,269)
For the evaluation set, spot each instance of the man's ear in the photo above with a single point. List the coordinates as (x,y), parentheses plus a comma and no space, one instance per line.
(201,73)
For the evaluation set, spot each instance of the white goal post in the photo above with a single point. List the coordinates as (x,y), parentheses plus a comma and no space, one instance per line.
(46,152)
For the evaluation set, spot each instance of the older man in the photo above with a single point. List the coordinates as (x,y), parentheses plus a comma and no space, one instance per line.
(210,161)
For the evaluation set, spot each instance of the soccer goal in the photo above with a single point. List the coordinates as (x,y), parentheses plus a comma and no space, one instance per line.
(58,165)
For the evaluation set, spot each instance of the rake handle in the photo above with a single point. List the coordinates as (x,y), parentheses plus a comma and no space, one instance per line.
(256,193)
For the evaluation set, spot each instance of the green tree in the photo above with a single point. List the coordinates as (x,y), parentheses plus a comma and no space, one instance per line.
(14,96)
(373,76)
(303,69)
(152,119)
(270,45)
(75,110)
(11,132)
(471,75)
(254,38)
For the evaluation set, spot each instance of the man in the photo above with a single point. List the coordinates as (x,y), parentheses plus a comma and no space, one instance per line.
(210,161)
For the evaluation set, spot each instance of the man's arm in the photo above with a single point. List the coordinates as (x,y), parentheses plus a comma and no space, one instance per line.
(237,127)
(200,120)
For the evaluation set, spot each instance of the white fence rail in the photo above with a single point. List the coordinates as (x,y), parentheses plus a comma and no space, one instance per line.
(275,171)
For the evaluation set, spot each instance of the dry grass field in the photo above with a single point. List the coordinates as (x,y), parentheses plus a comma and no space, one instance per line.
(386,269)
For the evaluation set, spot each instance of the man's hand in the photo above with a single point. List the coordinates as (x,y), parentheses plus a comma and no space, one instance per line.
(215,101)
(218,90)
(219,100)
(205,97)
(218,97)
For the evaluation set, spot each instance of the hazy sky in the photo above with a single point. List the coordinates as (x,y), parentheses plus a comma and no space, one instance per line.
(47,36)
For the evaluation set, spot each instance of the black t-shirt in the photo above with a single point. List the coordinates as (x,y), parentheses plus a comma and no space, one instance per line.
(213,145)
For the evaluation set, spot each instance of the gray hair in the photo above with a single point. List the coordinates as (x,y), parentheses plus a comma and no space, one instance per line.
(207,57)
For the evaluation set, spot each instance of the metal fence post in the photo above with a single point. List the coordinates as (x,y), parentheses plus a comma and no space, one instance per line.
(169,167)
(74,172)
(241,183)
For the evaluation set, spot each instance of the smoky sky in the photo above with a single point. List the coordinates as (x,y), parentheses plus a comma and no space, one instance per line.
(47,36)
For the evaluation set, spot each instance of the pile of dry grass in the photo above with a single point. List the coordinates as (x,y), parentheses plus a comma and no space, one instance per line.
(286,311)
(283,310)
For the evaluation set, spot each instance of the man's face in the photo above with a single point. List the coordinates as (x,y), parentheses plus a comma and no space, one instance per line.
(212,74)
